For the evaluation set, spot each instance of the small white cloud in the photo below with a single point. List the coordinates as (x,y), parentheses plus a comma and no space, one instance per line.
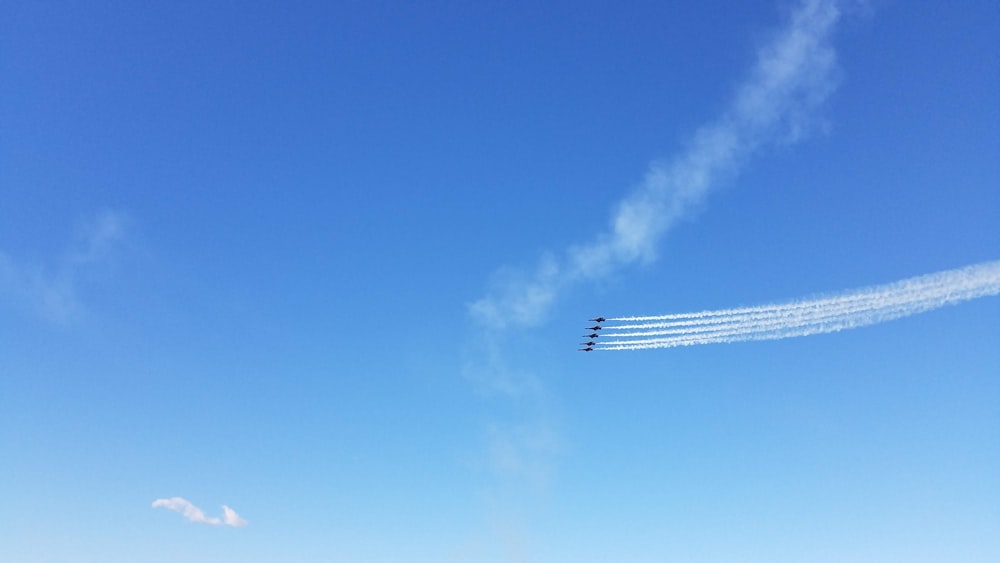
(195,514)
(230,518)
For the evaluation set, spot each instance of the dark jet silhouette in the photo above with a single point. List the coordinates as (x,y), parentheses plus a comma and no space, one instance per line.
(599,320)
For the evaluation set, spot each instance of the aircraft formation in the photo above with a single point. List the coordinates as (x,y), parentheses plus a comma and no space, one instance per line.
(592,337)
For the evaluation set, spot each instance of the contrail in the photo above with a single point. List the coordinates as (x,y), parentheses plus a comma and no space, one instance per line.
(857,308)
(817,309)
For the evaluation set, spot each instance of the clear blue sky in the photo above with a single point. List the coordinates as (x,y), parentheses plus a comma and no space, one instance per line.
(242,247)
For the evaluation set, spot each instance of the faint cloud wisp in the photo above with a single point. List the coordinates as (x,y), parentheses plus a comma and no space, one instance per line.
(53,292)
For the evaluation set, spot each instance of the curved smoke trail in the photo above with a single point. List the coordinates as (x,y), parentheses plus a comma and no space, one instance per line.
(858,308)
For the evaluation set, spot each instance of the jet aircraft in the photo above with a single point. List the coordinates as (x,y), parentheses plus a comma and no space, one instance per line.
(595,327)
(599,320)
(587,349)
(591,335)
(588,344)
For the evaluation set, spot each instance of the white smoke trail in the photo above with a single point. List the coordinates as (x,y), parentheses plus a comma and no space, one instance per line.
(777,104)
(906,292)
(725,316)
(862,307)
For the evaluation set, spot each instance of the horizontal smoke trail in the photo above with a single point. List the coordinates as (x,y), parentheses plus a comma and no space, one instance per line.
(770,322)
(801,312)
(920,285)
(786,327)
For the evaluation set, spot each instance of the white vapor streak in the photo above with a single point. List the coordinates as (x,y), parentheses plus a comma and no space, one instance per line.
(792,76)
(721,316)
(195,514)
(904,292)
(859,308)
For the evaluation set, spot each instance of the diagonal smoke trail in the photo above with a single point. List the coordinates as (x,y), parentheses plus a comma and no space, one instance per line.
(850,310)
(775,105)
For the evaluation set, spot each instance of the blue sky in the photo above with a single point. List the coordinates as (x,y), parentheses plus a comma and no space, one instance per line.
(274,258)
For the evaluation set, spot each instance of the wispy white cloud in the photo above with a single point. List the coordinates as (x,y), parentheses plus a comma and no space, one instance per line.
(491,374)
(96,240)
(777,104)
(195,514)
(524,452)
(52,292)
